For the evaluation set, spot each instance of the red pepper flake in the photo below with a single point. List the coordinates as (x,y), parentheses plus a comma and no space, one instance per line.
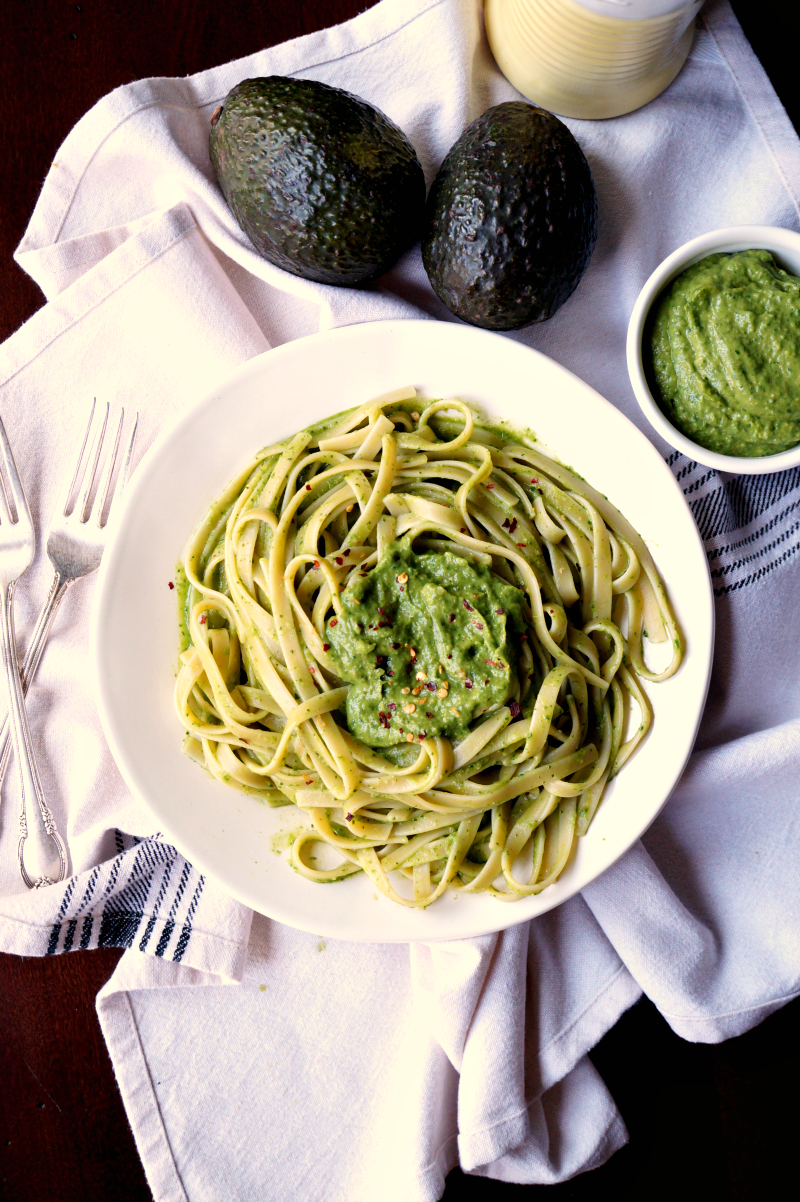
(395,646)
(535,480)
(312,669)
(346,553)
(468,683)
(469,607)
(477,625)
(316,563)
(427,715)
(506,524)
(423,734)
(170,584)
(515,709)
(326,646)
(348,817)
(521,545)
(523,638)
(463,530)
(513,526)
(499,611)
(392,706)
(334,621)
(381,611)
(203,619)
(490,486)
(431,686)
(384,720)
(452,617)
(338,561)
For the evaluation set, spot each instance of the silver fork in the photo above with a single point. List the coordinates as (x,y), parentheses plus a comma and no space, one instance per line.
(17,548)
(75,542)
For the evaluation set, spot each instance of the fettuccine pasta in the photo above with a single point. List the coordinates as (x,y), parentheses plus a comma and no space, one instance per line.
(428,636)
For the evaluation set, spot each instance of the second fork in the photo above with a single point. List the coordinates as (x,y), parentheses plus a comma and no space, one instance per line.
(48,856)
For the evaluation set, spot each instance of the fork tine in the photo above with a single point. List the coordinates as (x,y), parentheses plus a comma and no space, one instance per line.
(105,484)
(64,501)
(20,502)
(82,506)
(122,479)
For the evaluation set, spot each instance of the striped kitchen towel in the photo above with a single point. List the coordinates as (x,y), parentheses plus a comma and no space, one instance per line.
(750,524)
(146,897)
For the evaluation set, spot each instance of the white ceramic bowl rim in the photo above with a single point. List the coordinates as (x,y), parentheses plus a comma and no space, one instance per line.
(785,245)
(230,835)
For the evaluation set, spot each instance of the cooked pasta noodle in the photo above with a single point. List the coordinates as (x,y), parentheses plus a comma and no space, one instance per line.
(472,757)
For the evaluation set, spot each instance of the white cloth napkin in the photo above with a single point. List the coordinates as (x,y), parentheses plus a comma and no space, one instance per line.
(345,1072)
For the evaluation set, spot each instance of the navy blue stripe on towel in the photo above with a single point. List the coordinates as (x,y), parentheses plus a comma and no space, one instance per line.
(145,886)
(750,524)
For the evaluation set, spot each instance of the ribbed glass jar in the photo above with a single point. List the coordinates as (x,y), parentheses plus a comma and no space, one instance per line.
(590,58)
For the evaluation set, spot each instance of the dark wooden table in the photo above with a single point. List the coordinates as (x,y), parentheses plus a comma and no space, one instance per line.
(704,1121)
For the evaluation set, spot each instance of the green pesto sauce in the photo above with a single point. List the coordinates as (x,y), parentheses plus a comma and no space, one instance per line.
(726,354)
(183,592)
(455,615)
(182,589)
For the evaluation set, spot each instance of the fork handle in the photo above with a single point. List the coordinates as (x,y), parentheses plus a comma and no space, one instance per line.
(33,655)
(46,853)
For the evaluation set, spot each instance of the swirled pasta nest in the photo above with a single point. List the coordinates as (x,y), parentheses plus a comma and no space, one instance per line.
(262,701)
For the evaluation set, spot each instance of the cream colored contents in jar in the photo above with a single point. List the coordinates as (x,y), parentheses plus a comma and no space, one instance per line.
(572,58)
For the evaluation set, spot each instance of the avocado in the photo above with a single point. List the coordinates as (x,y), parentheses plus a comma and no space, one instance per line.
(322,183)
(511,219)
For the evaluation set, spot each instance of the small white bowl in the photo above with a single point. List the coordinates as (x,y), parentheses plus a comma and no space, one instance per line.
(785,246)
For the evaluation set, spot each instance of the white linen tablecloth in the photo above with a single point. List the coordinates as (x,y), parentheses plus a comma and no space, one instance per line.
(255,1060)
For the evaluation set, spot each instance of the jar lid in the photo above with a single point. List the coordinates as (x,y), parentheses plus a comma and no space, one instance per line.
(639,10)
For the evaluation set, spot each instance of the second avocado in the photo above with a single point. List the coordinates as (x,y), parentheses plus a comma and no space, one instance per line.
(323,184)
(511,221)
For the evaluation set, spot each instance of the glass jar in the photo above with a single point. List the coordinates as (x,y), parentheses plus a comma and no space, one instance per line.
(590,58)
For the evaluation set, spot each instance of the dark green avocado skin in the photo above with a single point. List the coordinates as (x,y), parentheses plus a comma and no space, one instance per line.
(322,183)
(511,220)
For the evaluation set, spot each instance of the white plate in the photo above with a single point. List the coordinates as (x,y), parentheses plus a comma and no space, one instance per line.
(229,835)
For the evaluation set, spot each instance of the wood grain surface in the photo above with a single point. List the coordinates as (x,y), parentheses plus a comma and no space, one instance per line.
(707,1122)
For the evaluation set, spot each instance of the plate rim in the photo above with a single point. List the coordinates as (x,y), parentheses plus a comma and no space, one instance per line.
(498,917)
